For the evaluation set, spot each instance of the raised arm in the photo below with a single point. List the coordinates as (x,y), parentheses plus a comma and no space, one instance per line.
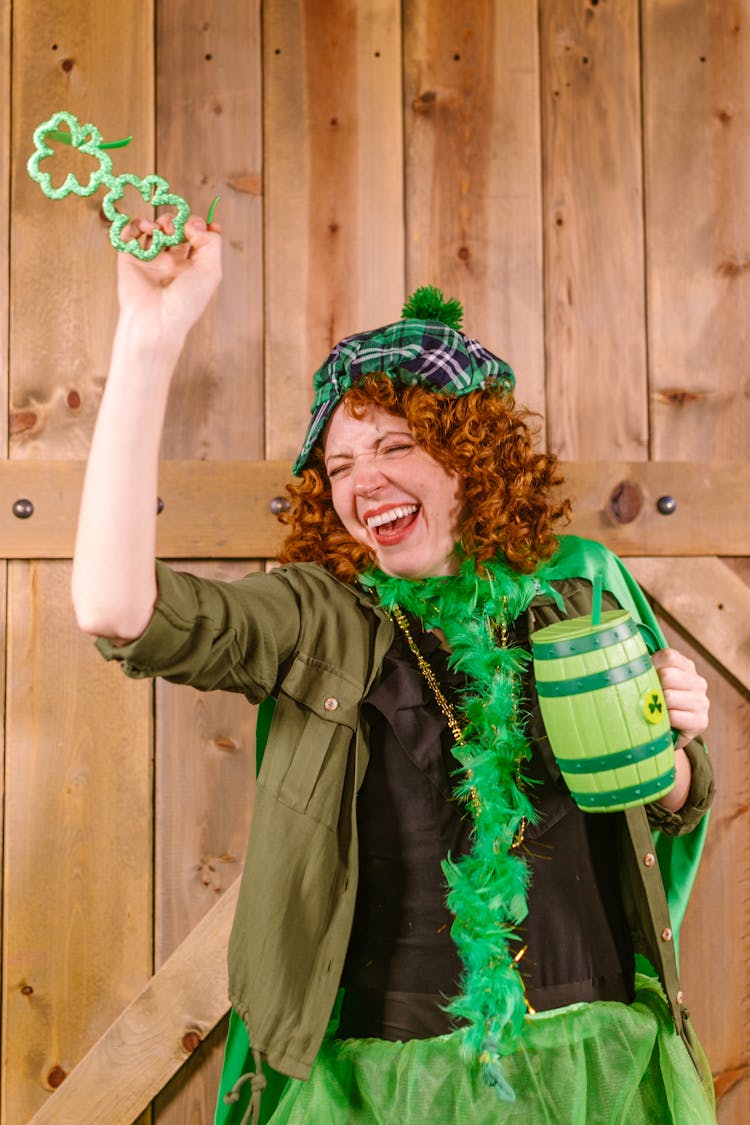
(114,585)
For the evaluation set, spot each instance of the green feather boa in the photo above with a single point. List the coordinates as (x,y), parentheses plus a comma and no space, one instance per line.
(487,888)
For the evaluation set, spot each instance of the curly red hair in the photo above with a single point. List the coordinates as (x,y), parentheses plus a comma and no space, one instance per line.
(482,437)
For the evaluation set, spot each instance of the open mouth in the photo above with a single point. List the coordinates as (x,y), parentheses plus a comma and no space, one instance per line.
(392,522)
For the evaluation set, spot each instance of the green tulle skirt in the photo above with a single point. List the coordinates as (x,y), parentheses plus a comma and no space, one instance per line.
(584,1064)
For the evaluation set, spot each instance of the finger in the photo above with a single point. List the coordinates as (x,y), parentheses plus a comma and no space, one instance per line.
(682,680)
(135,228)
(165,222)
(678,672)
(671,658)
(686,704)
(687,713)
(196,231)
(205,244)
(688,729)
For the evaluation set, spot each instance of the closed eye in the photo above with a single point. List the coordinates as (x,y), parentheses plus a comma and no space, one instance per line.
(396,449)
(338,470)
(390,449)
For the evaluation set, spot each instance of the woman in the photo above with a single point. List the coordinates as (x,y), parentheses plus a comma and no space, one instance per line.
(406,748)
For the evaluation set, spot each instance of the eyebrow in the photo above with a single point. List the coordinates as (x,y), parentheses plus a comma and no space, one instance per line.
(383,437)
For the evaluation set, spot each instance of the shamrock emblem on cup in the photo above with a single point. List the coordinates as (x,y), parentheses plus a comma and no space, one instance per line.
(654,707)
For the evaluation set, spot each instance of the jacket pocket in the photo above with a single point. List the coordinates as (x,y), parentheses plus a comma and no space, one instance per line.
(315,718)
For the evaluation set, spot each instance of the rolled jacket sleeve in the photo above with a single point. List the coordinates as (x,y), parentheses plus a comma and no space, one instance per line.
(699,798)
(212,635)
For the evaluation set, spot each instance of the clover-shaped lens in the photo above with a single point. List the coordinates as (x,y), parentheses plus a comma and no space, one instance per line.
(84,138)
(154,191)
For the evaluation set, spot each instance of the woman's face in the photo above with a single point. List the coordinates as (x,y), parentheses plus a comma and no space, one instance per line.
(391,495)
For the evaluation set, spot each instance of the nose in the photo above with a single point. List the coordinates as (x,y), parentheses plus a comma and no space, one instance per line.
(367,476)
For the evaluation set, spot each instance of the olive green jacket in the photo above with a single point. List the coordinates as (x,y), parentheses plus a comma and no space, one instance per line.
(317,646)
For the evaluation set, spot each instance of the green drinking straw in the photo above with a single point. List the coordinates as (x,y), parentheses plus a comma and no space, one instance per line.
(596,605)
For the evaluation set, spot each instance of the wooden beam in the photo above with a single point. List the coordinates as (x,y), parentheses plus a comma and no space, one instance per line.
(706,599)
(154,1035)
(221,509)
(212,509)
(615,502)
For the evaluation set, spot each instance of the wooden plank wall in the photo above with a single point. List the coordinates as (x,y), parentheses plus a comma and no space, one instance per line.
(79,826)
(208,138)
(4,263)
(696,161)
(575,171)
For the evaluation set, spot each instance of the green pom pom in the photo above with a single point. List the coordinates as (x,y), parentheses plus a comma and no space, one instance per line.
(428,303)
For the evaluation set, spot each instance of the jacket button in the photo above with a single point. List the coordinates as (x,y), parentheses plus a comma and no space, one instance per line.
(666,935)
(331,703)
(649,859)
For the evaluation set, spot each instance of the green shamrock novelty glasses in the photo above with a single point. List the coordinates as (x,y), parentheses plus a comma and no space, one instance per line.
(63,128)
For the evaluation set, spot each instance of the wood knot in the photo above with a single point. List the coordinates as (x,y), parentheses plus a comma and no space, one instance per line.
(733,267)
(22,420)
(677,396)
(191,1041)
(208,876)
(56,1077)
(225,743)
(250,185)
(625,502)
(424,101)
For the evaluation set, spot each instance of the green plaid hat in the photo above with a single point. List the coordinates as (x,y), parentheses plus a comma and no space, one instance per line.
(426,346)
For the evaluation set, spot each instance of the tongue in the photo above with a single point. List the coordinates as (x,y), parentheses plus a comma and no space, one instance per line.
(396,525)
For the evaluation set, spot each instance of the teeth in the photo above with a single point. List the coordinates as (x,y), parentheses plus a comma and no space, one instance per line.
(392,514)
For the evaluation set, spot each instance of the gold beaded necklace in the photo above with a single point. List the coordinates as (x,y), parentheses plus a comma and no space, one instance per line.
(450,715)
(453,724)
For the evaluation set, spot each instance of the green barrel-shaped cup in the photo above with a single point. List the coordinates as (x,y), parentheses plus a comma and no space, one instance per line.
(604,711)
